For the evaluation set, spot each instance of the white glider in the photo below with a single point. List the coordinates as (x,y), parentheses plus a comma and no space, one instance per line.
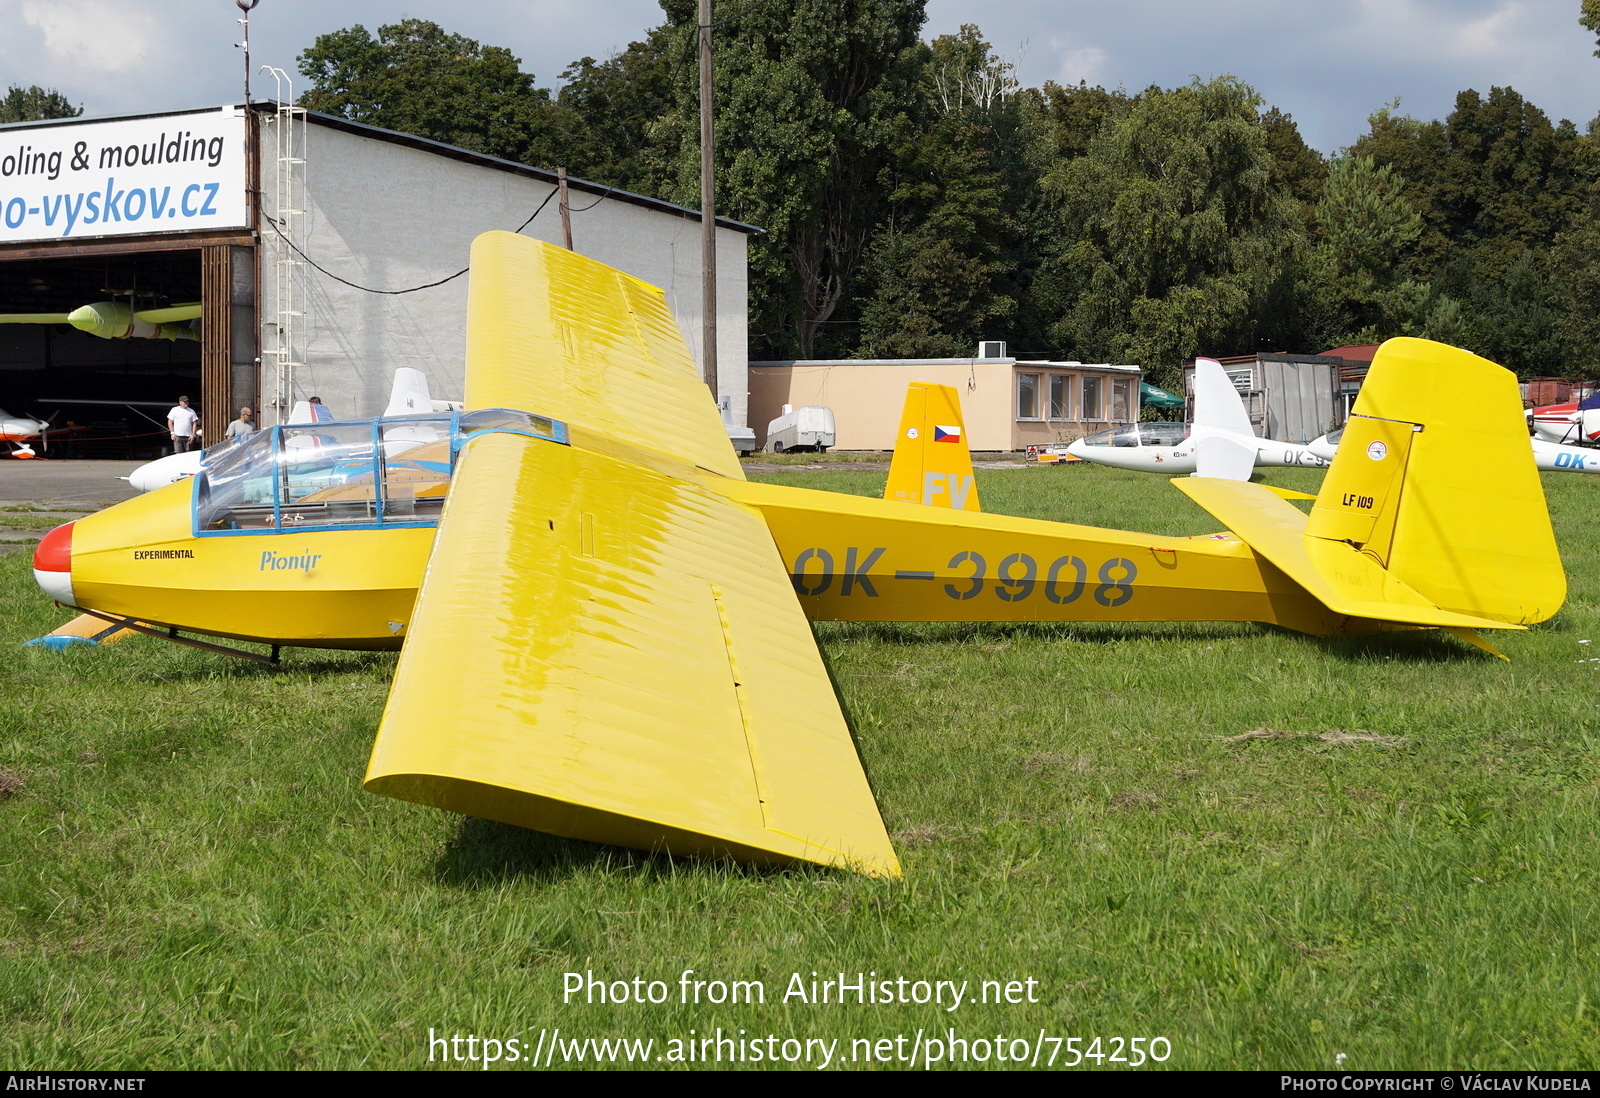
(1219,443)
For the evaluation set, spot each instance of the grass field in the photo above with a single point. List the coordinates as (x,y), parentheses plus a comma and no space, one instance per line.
(1399,866)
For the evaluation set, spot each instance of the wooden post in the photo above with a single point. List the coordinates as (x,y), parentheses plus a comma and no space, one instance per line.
(561,204)
(215,401)
(708,215)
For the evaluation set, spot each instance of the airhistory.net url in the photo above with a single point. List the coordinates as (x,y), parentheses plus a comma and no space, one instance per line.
(921,1050)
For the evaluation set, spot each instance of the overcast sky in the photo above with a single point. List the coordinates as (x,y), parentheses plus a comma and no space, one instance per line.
(1329,63)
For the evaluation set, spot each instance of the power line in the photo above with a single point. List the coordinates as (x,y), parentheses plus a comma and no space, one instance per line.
(426,285)
(590,206)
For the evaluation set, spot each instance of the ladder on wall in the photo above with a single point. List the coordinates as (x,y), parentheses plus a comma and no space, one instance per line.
(287,231)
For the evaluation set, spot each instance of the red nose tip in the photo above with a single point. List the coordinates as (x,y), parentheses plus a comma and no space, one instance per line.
(54,553)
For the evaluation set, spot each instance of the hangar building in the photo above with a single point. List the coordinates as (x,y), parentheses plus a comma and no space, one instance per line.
(323,254)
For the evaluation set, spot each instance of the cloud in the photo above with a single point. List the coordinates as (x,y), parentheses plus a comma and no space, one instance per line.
(1498,30)
(1084,63)
(98,36)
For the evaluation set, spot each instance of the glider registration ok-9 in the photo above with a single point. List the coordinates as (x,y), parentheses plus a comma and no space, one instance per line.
(605,626)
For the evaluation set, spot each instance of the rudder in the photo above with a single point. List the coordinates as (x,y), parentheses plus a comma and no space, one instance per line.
(931,463)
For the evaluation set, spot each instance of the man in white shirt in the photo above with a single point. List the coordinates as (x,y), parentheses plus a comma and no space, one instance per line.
(181,422)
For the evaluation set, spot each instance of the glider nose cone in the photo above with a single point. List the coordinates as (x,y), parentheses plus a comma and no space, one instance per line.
(1077,449)
(52,564)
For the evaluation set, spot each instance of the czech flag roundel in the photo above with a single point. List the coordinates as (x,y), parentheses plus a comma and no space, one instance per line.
(946,434)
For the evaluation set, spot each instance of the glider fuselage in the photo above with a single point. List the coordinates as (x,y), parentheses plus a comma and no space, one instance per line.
(296,579)
(1170,448)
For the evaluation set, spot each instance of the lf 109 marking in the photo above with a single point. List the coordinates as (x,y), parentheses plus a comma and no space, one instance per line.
(1350,499)
(1016,578)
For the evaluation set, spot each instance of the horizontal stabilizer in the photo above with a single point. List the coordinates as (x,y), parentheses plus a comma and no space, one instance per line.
(1334,572)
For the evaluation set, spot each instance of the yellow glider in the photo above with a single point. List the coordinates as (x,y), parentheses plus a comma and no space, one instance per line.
(605,637)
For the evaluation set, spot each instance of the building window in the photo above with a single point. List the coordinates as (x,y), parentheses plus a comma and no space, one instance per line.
(1091,398)
(1121,400)
(1027,396)
(1060,396)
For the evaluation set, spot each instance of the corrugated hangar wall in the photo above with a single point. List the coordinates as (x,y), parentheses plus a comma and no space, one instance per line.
(390,213)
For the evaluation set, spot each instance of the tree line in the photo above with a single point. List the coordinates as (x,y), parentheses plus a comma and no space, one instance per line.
(916,198)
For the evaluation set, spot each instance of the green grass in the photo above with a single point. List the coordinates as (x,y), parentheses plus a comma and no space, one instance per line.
(191,876)
(34,522)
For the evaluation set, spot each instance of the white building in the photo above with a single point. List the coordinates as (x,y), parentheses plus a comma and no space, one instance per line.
(294,230)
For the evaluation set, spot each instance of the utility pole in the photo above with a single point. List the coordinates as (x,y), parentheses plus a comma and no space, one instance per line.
(245,6)
(708,215)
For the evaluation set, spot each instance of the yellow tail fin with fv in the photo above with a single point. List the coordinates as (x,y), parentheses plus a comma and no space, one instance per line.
(932,464)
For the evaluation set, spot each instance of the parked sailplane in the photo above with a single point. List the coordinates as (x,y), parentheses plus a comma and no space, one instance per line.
(1552,457)
(116,320)
(605,630)
(1219,443)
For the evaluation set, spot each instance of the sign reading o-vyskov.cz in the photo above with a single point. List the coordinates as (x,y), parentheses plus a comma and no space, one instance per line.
(173,173)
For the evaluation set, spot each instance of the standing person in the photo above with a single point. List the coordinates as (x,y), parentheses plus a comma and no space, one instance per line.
(182,422)
(243,425)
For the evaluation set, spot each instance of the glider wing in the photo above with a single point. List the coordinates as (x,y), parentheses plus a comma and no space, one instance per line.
(33,318)
(607,652)
(170,314)
(552,332)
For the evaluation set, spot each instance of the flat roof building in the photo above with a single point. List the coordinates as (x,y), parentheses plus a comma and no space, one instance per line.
(1008,403)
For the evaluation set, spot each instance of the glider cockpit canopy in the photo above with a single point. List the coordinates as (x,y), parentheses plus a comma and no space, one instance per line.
(382,472)
(1140,434)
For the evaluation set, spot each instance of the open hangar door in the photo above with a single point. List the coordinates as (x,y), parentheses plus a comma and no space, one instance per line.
(113,393)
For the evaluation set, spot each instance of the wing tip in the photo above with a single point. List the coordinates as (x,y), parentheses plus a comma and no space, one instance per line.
(570,819)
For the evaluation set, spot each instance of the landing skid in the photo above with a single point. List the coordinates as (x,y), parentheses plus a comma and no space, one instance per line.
(171,634)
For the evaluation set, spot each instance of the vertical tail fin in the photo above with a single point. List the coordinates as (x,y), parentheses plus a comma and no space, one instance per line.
(306,411)
(408,395)
(931,463)
(1217,402)
(1435,480)
(1217,405)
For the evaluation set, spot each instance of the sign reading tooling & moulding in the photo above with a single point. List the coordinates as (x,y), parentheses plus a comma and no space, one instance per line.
(175,173)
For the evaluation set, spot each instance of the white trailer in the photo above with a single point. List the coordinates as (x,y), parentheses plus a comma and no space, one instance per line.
(809,427)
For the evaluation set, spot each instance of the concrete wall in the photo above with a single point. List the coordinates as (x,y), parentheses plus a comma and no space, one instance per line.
(867,397)
(389,216)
